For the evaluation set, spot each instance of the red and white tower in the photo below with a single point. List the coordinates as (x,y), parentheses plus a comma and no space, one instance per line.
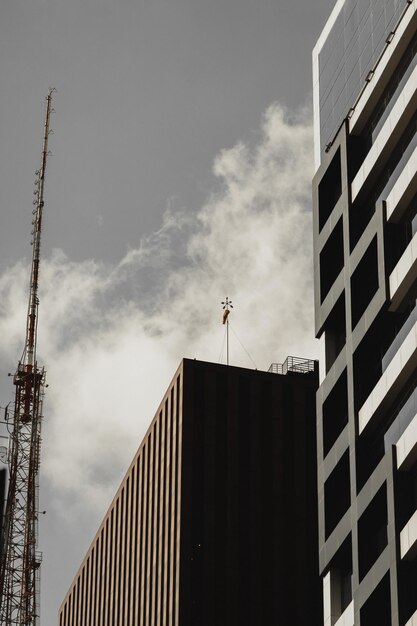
(19,559)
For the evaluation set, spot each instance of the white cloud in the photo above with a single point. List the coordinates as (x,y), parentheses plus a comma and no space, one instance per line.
(111,337)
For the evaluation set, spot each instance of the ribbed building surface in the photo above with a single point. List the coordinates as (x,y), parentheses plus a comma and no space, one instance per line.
(365,208)
(215,522)
(131,572)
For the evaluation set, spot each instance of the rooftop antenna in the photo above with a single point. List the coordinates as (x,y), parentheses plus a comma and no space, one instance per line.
(227,305)
(19,558)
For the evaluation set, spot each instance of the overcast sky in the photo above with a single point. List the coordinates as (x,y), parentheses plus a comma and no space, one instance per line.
(180,173)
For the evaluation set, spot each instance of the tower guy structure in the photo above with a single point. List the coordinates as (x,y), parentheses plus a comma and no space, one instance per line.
(20,561)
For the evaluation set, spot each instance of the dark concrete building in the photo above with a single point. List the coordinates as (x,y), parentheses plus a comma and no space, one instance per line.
(365,207)
(215,522)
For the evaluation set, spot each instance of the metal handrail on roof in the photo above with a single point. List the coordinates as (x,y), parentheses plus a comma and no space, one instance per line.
(293,364)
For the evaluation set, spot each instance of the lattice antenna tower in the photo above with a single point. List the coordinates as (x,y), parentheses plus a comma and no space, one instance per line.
(19,559)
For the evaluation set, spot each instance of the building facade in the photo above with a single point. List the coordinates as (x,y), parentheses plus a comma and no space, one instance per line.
(215,522)
(365,207)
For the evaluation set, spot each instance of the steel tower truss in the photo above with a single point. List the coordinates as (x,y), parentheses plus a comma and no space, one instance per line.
(19,560)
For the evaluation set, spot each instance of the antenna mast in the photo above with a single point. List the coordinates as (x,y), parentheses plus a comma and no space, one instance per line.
(227,305)
(19,559)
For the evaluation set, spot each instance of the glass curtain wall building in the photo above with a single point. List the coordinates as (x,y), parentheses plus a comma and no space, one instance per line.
(365,247)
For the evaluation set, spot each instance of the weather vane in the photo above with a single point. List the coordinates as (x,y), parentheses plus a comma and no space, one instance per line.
(227,305)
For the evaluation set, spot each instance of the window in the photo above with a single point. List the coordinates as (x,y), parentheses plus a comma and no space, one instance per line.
(335,329)
(330,189)
(340,581)
(372,532)
(364,282)
(337,494)
(377,609)
(331,260)
(335,413)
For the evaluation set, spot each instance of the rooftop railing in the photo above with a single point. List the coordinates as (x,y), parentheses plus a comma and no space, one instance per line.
(293,364)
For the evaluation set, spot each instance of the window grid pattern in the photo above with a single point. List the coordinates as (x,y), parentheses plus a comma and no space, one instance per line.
(370,244)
